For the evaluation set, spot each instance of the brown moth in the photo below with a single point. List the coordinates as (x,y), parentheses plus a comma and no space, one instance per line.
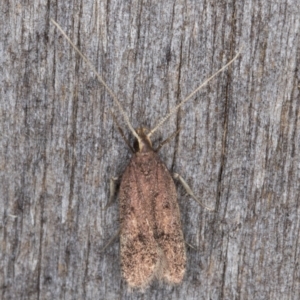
(151,239)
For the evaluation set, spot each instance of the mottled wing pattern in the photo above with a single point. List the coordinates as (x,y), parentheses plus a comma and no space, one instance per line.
(168,226)
(139,251)
(151,239)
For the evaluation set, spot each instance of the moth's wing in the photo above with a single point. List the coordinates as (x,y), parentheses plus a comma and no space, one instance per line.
(139,251)
(168,227)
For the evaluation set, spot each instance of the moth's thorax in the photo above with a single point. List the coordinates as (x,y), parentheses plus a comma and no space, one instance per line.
(143,145)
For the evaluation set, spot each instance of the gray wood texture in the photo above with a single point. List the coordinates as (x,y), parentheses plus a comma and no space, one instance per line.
(238,146)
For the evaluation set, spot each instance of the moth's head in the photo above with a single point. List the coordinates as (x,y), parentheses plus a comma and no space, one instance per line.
(144,143)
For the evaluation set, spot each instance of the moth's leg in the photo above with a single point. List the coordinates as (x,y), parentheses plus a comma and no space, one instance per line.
(112,197)
(121,132)
(189,191)
(112,239)
(167,140)
(190,245)
(112,192)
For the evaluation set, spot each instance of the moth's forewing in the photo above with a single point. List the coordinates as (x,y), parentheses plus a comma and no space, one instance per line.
(151,239)
(139,252)
(168,226)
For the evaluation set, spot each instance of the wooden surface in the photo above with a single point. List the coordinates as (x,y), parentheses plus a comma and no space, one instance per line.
(238,146)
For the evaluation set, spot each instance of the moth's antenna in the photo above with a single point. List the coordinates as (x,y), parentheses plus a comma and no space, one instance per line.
(100,79)
(192,94)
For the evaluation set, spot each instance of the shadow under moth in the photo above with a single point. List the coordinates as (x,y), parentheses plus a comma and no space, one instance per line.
(152,245)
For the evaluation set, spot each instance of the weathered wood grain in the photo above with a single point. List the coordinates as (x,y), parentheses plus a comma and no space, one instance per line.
(238,146)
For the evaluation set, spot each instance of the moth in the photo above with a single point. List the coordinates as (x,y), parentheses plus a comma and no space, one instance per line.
(152,245)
